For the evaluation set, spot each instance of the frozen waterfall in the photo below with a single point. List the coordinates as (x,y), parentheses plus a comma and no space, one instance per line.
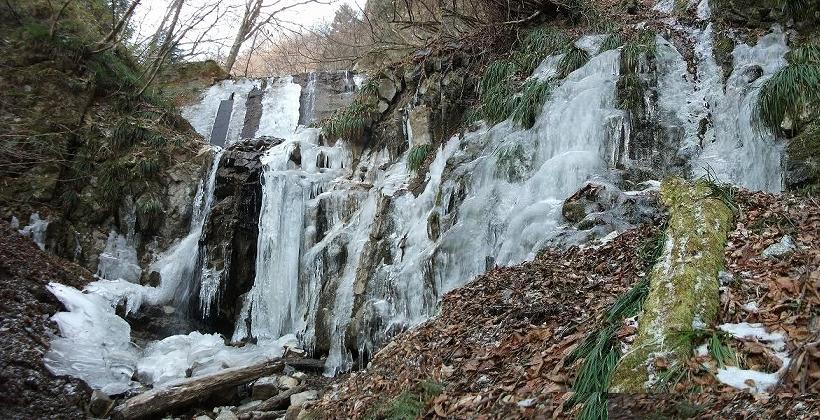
(347,255)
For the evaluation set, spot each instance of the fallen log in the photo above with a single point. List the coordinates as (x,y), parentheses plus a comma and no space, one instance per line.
(306,365)
(683,291)
(189,391)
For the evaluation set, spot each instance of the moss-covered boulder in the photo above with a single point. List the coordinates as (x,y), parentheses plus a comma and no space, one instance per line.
(684,288)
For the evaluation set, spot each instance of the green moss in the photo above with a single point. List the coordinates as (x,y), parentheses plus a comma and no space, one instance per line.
(573,211)
(723,47)
(683,284)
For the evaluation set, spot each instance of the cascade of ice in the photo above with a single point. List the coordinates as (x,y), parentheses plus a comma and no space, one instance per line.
(738,150)
(731,147)
(178,266)
(308,107)
(318,213)
(202,114)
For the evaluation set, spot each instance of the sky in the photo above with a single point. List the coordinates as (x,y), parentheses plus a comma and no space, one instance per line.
(218,39)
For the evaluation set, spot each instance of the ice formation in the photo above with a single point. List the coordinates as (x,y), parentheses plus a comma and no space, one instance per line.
(36,230)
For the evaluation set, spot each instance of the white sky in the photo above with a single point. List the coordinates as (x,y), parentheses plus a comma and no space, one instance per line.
(217,41)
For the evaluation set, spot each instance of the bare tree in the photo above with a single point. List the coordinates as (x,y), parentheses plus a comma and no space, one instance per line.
(256,16)
(110,40)
(56,15)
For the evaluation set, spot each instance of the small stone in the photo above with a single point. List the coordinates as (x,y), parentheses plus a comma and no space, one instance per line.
(301,398)
(226,414)
(287,382)
(529,402)
(781,249)
(299,375)
(265,388)
(100,403)
(202,417)
(387,89)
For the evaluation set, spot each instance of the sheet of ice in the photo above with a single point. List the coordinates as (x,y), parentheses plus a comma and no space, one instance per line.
(94,343)
(497,193)
(175,357)
(202,114)
(119,260)
(280,108)
(731,147)
(752,380)
(737,150)
(36,230)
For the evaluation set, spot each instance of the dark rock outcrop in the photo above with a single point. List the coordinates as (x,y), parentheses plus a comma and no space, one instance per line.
(228,244)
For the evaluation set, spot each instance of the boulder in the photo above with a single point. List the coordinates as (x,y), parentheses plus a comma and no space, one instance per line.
(265,388)
(300,399)
(287,382)
(100,404)
(387,89)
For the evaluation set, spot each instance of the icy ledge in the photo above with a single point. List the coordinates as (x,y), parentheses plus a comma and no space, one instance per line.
(95,345)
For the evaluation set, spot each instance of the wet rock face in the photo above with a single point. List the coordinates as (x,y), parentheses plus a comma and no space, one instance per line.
(229,236)
(323,93)
(598,209)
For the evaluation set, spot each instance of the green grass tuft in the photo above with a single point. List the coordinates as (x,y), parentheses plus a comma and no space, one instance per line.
(409,405)
(641,45)
(600,353)
(612,42)
(804,54)
(417,155)
(630,93)
(351,122)
(528,106)
(787,94)
(537,45)
(573,59)
(723,191)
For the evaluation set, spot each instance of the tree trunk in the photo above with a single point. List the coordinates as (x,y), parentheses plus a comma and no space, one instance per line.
(683,291)
(162,400)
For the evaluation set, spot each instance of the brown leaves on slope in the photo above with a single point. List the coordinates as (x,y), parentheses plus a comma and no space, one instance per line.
(498,347)
(499,343)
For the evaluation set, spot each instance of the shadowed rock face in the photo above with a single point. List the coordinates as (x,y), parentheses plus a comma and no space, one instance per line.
(229,237)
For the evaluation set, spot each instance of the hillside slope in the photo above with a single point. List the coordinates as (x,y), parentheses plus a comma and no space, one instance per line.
(502,345)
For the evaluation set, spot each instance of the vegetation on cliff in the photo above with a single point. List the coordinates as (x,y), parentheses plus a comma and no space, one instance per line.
(84,127)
